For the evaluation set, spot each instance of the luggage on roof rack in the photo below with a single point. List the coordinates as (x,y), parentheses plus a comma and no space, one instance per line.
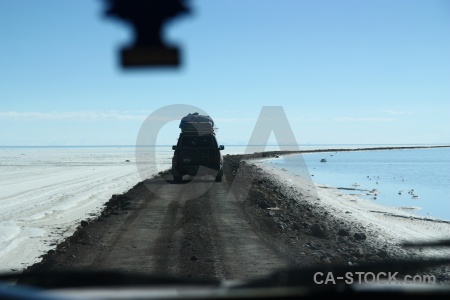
(196,118)
(197,128)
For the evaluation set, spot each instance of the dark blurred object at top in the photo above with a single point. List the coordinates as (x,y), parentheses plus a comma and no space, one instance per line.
(147,18)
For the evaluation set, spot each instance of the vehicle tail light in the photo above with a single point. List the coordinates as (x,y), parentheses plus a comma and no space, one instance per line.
(174,158)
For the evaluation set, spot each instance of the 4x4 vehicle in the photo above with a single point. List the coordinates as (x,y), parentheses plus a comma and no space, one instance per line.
(197,146)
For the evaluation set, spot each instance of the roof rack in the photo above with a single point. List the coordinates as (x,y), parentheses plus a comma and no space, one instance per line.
(197,128)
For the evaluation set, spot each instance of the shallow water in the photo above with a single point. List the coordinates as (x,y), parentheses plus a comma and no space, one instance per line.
(415,180)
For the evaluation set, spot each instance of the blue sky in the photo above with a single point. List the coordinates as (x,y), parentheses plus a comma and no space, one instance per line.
(345,72)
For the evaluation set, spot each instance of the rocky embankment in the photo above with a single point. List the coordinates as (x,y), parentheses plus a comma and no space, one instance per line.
(296,225)
(300,228)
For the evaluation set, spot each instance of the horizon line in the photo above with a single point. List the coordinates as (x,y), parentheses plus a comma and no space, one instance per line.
(234,145)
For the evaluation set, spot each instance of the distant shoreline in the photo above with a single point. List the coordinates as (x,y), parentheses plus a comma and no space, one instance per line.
(276,153)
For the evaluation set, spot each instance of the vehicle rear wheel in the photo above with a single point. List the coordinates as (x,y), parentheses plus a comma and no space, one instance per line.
(177,178)
(219,178)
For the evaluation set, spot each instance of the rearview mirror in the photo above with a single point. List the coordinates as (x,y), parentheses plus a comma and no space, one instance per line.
(221,147)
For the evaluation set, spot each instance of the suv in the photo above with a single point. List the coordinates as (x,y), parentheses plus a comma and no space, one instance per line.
(196,148)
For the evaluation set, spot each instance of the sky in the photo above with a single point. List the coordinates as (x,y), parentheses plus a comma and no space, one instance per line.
(344,72)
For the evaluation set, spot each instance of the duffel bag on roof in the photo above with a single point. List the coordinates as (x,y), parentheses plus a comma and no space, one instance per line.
(196,118)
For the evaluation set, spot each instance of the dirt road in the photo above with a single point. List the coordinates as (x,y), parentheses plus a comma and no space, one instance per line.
(206,237)
(171,232)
